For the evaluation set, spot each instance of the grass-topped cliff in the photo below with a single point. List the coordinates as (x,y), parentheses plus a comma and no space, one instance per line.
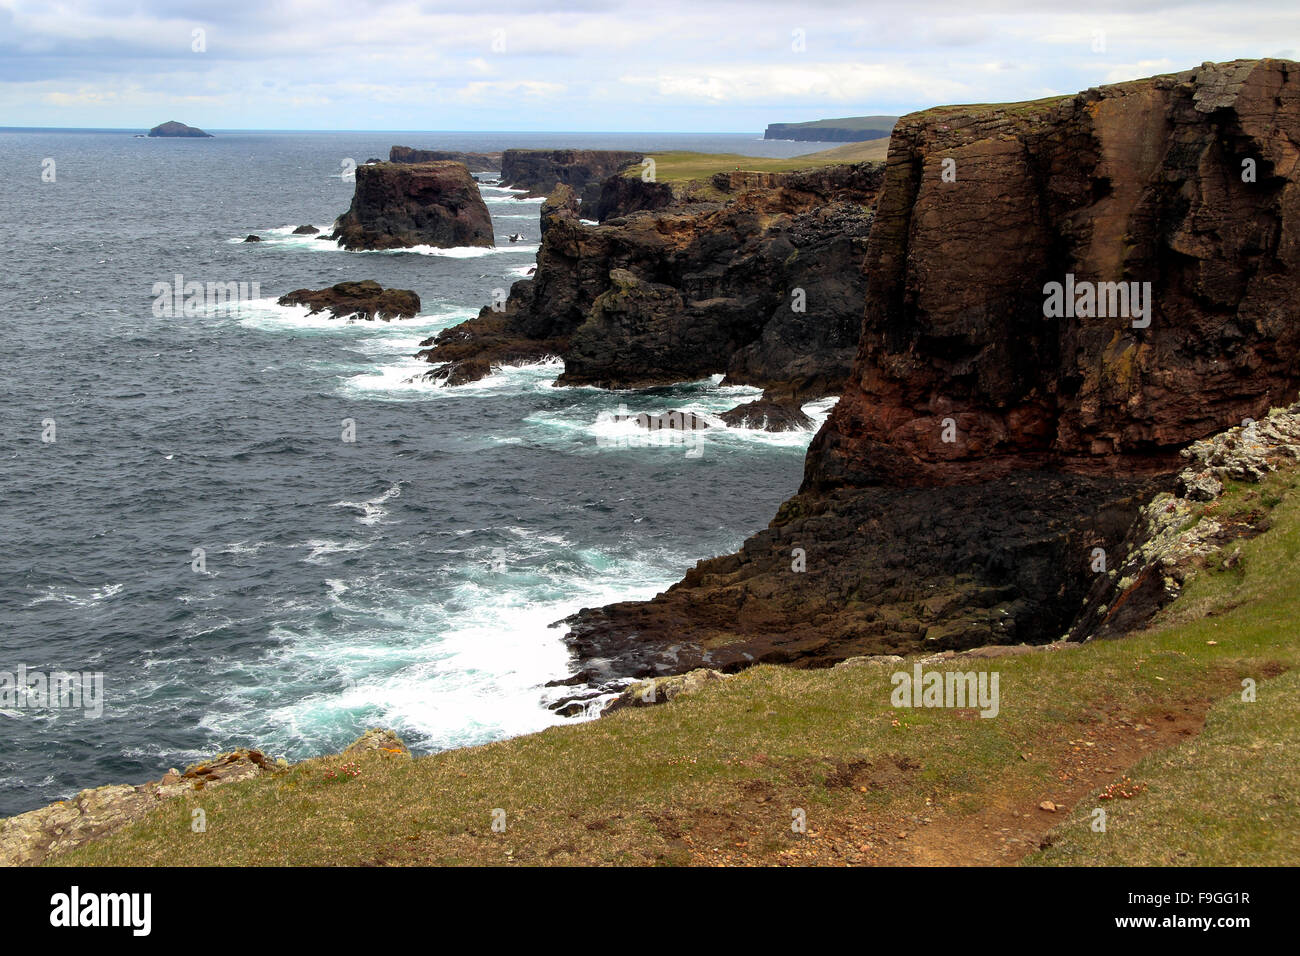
(714,776)
(682,166)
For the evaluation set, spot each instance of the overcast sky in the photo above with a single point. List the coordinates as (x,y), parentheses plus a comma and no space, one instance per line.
(587,64)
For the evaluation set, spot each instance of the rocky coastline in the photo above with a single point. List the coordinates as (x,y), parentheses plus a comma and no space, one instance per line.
(754,276)
(981,449)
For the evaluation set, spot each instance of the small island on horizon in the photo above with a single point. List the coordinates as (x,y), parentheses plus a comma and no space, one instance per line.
(175,129)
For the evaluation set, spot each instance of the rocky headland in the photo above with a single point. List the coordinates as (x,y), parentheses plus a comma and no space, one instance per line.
(399,205)
(987,442)
(853,129)
(754,275)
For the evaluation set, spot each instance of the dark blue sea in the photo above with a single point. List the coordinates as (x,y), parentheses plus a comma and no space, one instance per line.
(407,579)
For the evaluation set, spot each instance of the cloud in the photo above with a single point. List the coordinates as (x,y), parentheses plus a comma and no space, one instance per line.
(600,64)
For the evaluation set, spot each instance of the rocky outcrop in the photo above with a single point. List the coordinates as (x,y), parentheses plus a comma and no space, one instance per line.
(540,170)
(986,441)
(359,300)
(30,838)
(399,205)
(761,282)
(474,162)
(179,131)
(1179,532)
(377,740)
(661,690)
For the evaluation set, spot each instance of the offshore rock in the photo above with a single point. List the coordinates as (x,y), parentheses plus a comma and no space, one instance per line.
(398,205)
(361,300)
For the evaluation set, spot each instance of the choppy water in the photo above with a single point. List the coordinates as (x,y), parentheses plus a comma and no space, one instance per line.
(407,579)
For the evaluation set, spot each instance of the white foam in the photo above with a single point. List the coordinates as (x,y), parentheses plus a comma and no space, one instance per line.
(372,511)
(321,549)
(84,597)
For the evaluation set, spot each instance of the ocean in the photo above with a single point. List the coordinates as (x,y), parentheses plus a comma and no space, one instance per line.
(181,513)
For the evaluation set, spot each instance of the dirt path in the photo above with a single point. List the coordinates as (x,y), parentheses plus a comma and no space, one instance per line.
(1010,824)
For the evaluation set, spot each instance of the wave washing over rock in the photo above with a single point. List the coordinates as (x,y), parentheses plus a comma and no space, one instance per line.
(981,449)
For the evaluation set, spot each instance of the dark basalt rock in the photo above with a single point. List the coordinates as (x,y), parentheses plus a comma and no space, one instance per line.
(769,415)
(177,130)
(306,231)
(696,289)
(980,451)
(253,239)
(361,300)
(540,170)
(399,205)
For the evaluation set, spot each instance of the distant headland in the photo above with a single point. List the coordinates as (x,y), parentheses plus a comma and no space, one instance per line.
(848,129)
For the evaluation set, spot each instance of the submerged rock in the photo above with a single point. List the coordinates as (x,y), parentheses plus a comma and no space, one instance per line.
(361,300)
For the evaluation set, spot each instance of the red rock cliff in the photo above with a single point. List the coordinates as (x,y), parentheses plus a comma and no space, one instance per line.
(983,448)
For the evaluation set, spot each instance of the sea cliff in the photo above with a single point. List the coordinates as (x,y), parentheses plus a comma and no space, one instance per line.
(987,444)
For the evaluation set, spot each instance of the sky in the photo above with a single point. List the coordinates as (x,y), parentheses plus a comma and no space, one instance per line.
(599,65)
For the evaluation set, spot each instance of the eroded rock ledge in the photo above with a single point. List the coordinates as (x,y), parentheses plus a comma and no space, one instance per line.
(980,451)
(700,287)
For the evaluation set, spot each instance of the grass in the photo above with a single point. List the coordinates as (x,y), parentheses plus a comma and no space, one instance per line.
(716,776)
(683,166)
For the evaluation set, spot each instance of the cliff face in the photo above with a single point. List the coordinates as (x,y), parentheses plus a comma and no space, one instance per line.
(982,448)
(540,170)
(399,205)
(762,283)
(474,162)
